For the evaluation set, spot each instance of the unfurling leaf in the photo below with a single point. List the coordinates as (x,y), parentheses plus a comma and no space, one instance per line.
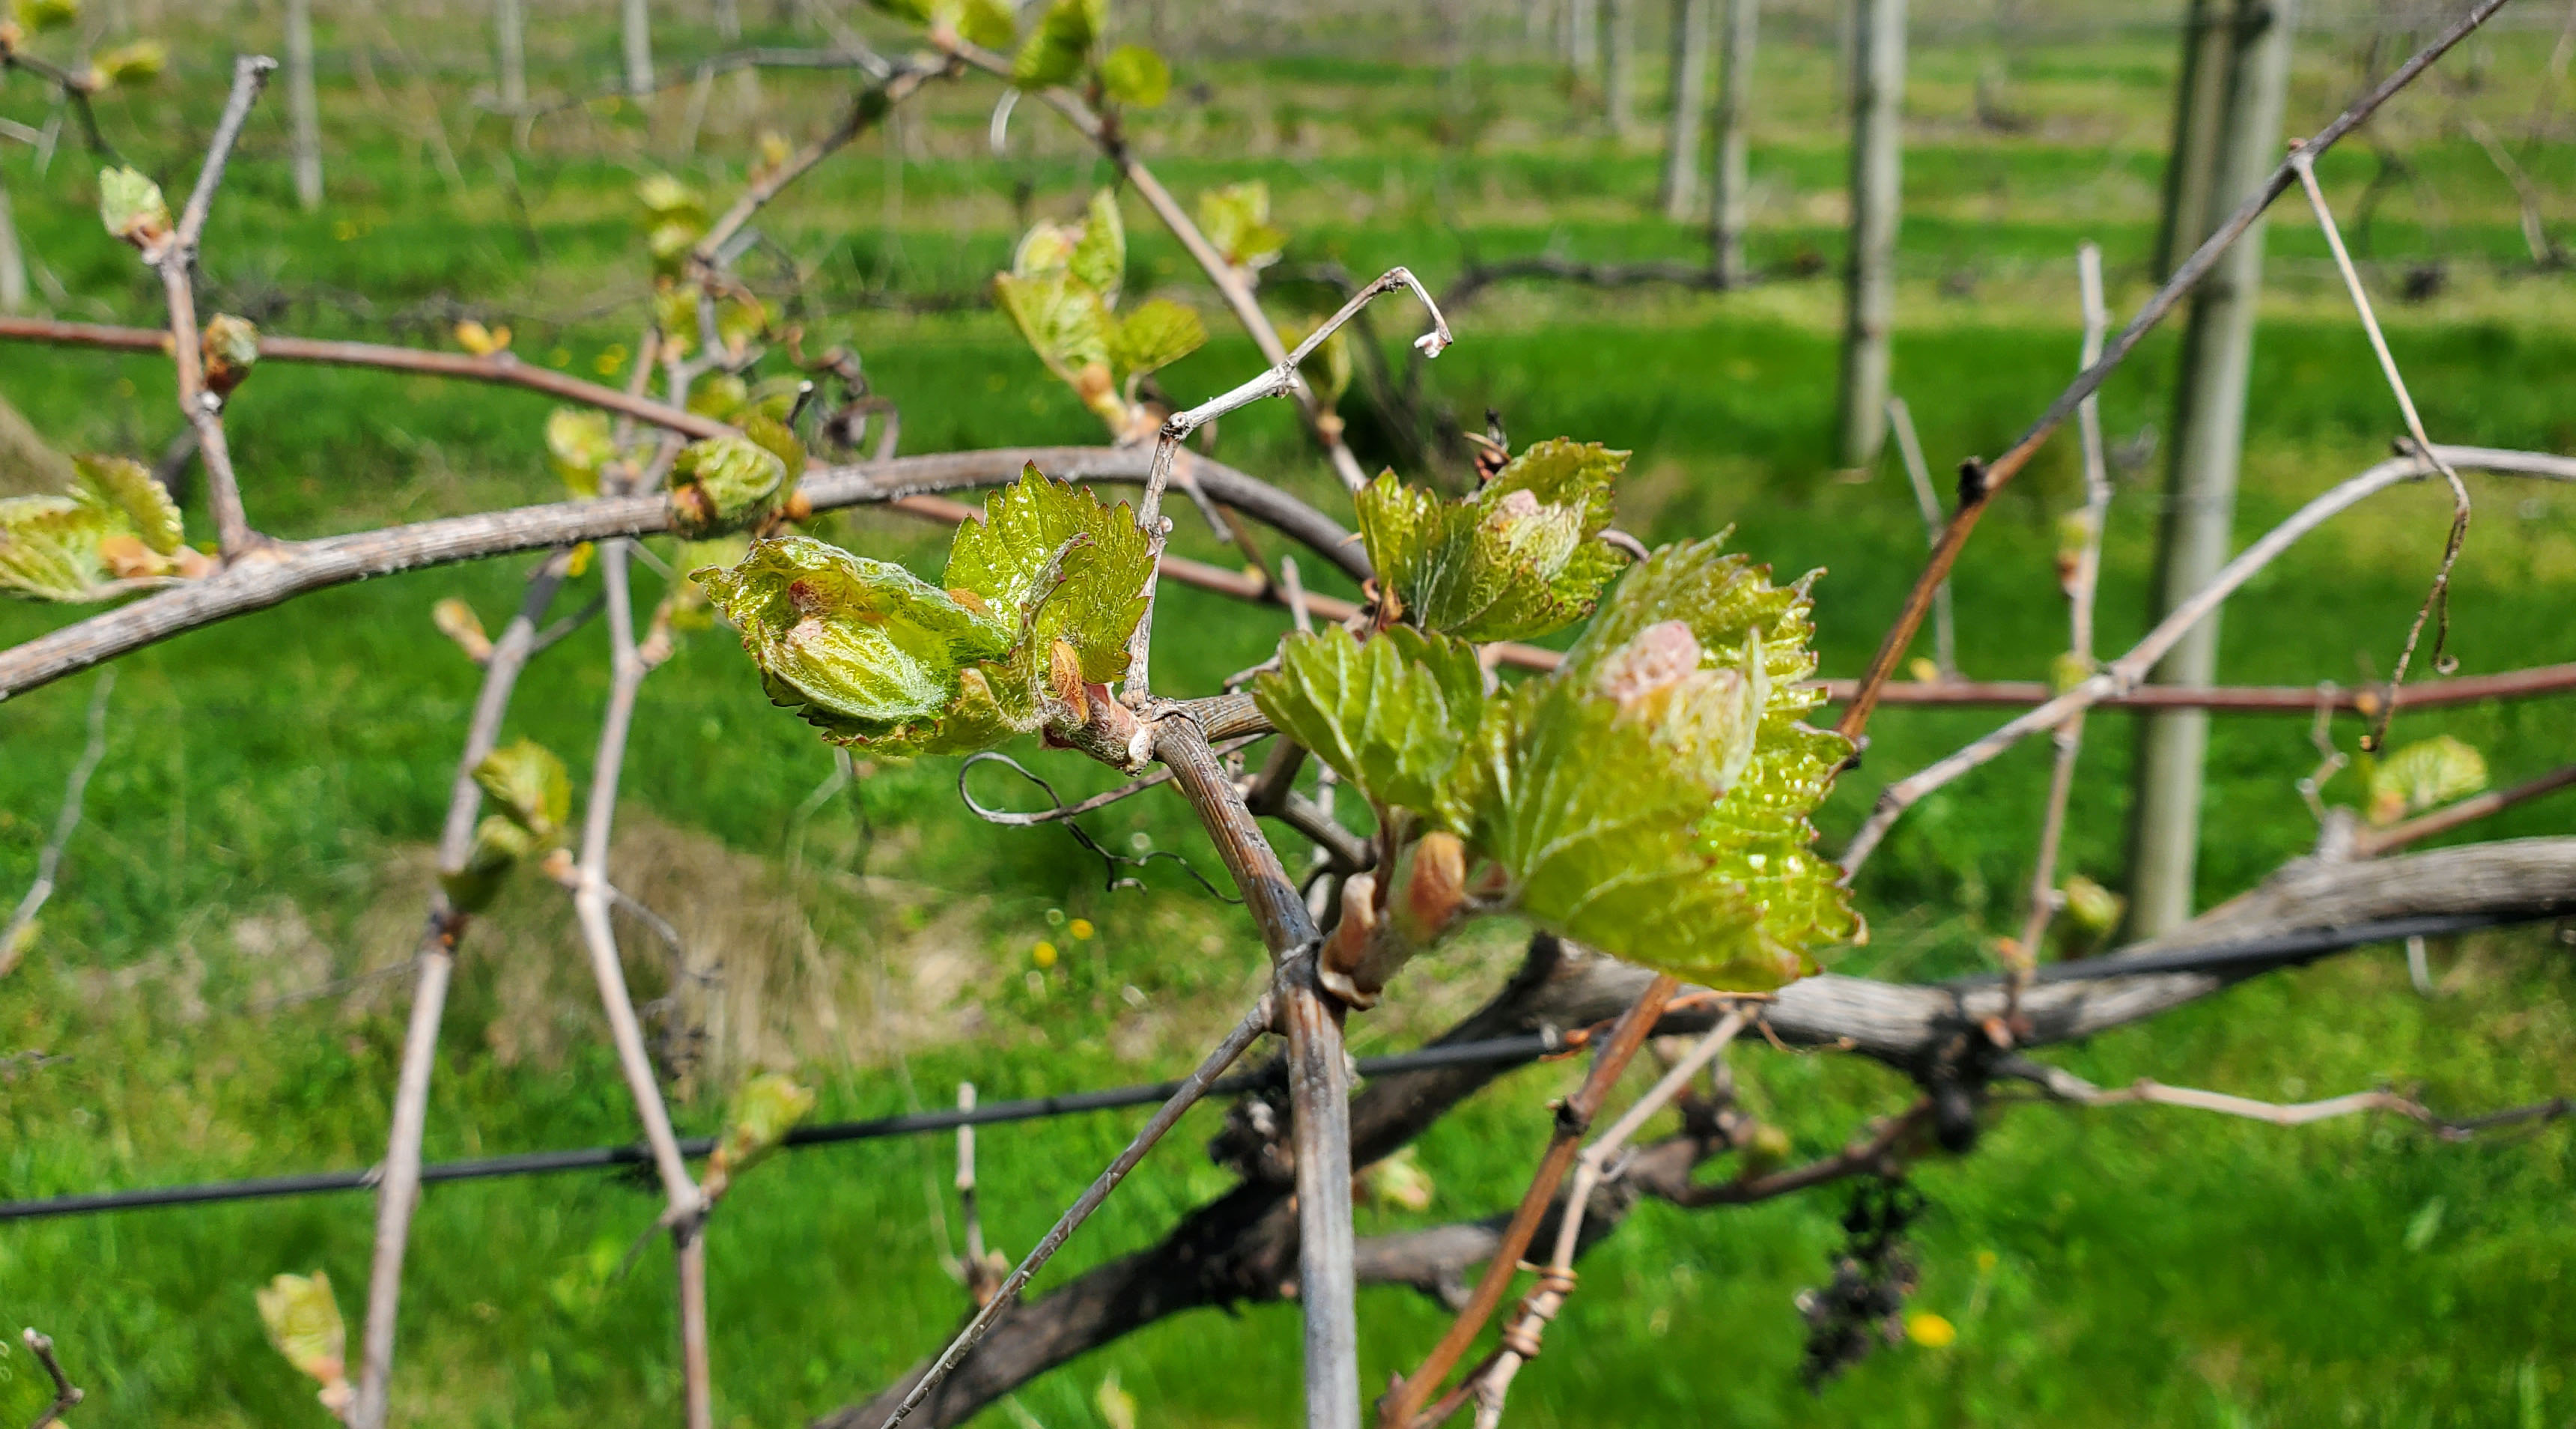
(872,654)
(2092,910)
(1158,333)
(667,198)
(765,1109)
(724,484)
(132,207)
(43,15)
(532,797)
(1098,259)
(1520,557)
(1390,716)
(987,23)
(115,524)
(303,1322)
(1398,1182)
(1326,370)
(457,621)
(2422,775)
(1136,76)
(230,348)
(579,443)
(866,649)
(1236,219)
(138,63)
(1060,563)
(1650,798)
(1057,50)
(719,396)
(482,341)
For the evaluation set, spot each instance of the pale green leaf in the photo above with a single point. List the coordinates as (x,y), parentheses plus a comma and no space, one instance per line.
(723,484)
(1136,76)
(1391,715)
(528,782)
(1519,558)
(49,547)
(131,206)
(863,648)
(1055,52)
(988,23)
(1060,565)
(1236,219)
(2422,775)
(303,1322)
(121,488)
(765,1108)
(578,442)
(1158,333)
(1099,257)
(1065,323)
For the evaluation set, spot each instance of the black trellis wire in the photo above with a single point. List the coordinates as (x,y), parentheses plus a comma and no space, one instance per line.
(2242,958)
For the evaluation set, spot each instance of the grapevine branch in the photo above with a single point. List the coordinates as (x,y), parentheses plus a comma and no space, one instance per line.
(2126,671)
(175,258)
(1980,481)
(20,930)
(66,1394)
(2437,601)
(2082,582)
(398,1192)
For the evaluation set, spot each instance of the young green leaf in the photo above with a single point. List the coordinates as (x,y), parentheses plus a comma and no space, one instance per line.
(1519,558)
(1236,219)
(303,1322)
(1057,50)
(1136,76)
(131,207)
(1068,327)
(765,1108)
(1157,334)
(579,444)
(1060,564)
(1390,715)
(988,23)
(116,523)
(229,347)
(2422,775)
(1099,257)
(132,64)
(121,490)
(724,484)
(527,781)
(863,648)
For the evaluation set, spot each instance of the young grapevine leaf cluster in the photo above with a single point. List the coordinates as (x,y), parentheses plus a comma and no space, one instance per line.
(1062,293)
(114,524)
(1648,798)
(1029,623)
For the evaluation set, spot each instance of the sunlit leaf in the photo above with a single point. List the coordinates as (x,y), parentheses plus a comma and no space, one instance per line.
(1158,333)
(1236,219)
(1390,716)
(131,207)
(1037,530)
(43,15)
(528,782)
(132,64)
(2422,775)
(121,489)
(303,1322)
(988,23)
(579,444)
(1099,257)
(115,523)
(723,484)
(863,648)
(1136,76)
(765,1108)
(1520,557)
(1056,51)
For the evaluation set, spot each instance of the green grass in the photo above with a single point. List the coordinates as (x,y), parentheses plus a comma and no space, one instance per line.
(256,833)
